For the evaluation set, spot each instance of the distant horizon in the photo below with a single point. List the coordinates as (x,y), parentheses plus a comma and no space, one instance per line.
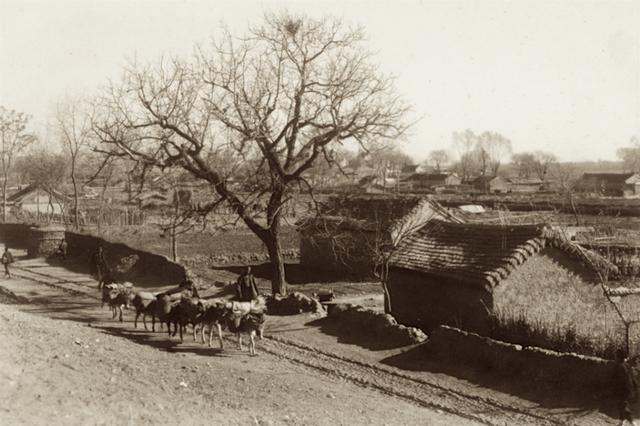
(561,77)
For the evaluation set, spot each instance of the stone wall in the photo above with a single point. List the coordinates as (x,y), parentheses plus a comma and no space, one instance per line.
(376,325)
(564,370)
(44,240)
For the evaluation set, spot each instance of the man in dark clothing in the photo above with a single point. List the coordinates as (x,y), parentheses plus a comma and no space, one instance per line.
(624,387)
(99,265)
(62,249)
(246,288)
(7,259)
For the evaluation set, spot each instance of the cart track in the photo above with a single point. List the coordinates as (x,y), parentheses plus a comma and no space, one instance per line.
(383,379)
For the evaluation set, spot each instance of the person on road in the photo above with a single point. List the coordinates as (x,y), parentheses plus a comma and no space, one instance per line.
(99,266)
(7,259)
(63,248)
(246,288)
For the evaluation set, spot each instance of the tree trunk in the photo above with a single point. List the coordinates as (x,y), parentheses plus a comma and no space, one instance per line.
(4,200)
(76,214)
(174,244)
(278,282)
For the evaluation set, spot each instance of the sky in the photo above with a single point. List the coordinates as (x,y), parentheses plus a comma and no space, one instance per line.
(558,76)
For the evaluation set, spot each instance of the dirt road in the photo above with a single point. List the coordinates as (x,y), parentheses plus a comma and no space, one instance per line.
(64,361)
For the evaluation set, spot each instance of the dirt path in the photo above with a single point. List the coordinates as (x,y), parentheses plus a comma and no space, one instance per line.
(68,363)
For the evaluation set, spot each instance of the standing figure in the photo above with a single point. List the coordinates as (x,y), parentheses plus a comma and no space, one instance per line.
(99,266)
(63,248)
(246,289)
(7,259)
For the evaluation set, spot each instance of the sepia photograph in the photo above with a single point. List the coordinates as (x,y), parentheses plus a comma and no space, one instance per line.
(280,212)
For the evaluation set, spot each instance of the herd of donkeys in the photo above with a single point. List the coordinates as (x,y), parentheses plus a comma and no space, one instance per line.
(181,307)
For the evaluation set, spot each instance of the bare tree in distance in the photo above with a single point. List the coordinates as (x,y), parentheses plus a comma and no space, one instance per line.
(45,170)
(630,155)
(492,148)
(73,124)
(15,138)
(525,163)
(533,163)
(279,99)
(438,158)
(463,145)
(542,163)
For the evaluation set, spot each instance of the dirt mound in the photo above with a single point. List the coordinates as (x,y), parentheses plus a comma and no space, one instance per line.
(293,304)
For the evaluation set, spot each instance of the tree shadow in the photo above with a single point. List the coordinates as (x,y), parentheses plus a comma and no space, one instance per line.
(573,402)
(359,336)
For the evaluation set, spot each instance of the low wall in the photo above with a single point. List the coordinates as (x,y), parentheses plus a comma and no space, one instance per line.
(565,370)
(241,258)
(376,324)
(15,235)
(151,270)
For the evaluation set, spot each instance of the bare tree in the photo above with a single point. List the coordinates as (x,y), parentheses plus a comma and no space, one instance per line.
(630,156)
(463,145)
(542,162)
(279,99)
(74,127)
(15,138)
(45,170)
(492,148)
(525,163)
(438,158)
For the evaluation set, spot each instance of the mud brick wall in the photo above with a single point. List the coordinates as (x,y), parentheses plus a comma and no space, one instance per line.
(150,270)
(564,370)
(14,235)
(426,301)
(342,251)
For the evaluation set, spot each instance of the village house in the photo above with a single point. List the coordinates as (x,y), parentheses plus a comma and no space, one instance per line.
(460,274)
(38,200)
(431,181)
(377,184)
(410,169)
(352,234)
(525,185)
(491,185)
(611,184)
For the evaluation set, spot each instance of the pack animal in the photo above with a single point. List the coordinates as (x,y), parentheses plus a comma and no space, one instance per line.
(117,296)
(144,304)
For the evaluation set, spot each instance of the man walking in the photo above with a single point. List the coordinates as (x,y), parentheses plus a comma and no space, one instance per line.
(7,259)
(246,288)
(99,266)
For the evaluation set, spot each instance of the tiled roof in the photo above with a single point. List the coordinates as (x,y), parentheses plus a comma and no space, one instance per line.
(481,254)
(478,253)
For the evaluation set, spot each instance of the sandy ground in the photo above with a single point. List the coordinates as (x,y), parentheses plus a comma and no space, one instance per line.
(65,372)
(65,361)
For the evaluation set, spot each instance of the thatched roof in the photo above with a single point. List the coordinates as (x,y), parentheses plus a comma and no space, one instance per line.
(479,253)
